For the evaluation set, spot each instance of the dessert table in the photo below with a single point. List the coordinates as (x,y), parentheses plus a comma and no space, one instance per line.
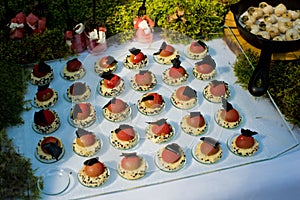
(271,172)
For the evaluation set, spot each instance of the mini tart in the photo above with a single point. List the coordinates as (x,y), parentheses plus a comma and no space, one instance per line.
(78,92)
(41,124)
(71,76)
(159,138)
(171,166)
(111,92)
(45,77)
(204,157)
(215,99)
(83,148)
(244,152)
(228,117)
(174,81)
(128,64)
(187,128)
(149,111)
(116,117)
(165,60)
(185,104)
(49,149)
(83,123)
(143,87)
(197,55)
(106,64)
(225,124)
(133,174)
(205,69)
(47,103)
(123,144)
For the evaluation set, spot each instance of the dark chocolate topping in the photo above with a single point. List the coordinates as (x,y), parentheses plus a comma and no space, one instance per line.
(176,62)
(216,82)
(107,75)
(210,141)
(207,60)
(78,88)
(194,114)
(129,155)
(111,60)
(174,148)
(159,122)
(148,97)
(43,67)
(142,72)
(39,117)
(247,132)
(227,106)
(200,43)
(53,149)
(189,92)
(162,47)
(80,132)
(43,87)
(91,161)
(122,127)
(134,51)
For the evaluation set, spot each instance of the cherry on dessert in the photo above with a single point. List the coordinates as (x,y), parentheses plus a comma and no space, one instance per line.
(171,153)
(44,117)
(41,69)
(107,61)
(110,80)
(209,146)
(217,88)
(144,77)
(130,161)
(185,93)
(44,93)
(74,65)
(197,47)
(136,56)
(81,111)
(116,105)
(245,140)
(153,100)
(229,114)
(125,132)
(93,167)
(195,119)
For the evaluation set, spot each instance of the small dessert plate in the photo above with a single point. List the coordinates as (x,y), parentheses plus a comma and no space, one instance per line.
(231,149)
(161,167)
(53,160)
(193,152)
(121,118)
(130,148)
(227,125)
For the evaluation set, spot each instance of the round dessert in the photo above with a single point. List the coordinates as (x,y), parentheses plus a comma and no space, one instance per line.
(244,144)
(184,97)
(124,137)
(159,131)
(86,143)
(106,64)
(176,75)
(151,104)
(45,97)
(166,54)
(116,110)
(111,85)
(46,121)
(132,166)
(170,158)
(143,81)
(94,173)
(228,117)
(197,50)
(215,90)
(49,149)
(41,74)
(193,123)
(208,150)
(136,60)
(73,70)
(78,91)
(205,69)
(82,115)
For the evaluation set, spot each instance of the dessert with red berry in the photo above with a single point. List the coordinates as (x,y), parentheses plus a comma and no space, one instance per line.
(205,69)
(228,117)
(111,85)
(184,97)
(151,104)
(41,74)
(175,75)
(216,90)
(207,151)
(193,123)
(132,166)
(136,60)
(46,121)
(78,91)
(170,158)
(73,70)
(159,131)
(106,64)
(82,115)
(94,173)
(144,80)
(86,143)
(124,137)
(165,54)
(45,97)
(49,149)
(244,144)
(197,50)
(116,110)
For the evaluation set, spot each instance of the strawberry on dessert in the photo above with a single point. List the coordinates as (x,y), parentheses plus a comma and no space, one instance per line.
(151,104)
(111,85)
(86,143)
(166,54)
(228,117)
(116,110)
(78,91)
(94,173)
(41,74)
(106,64)
(244,144)
(208,150)
(73,70)
(136,60)
(159,131)
(176,75)
(46,121)
(216,90)
(197,50)
(83,115)
(49,149)
(184,97)
(124,137)
(132,166)
(205,69)
(170,158)
(193,123)
(144,80)
(45,97)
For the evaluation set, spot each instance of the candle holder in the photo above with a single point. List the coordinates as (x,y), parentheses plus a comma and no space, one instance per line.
(95,33)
